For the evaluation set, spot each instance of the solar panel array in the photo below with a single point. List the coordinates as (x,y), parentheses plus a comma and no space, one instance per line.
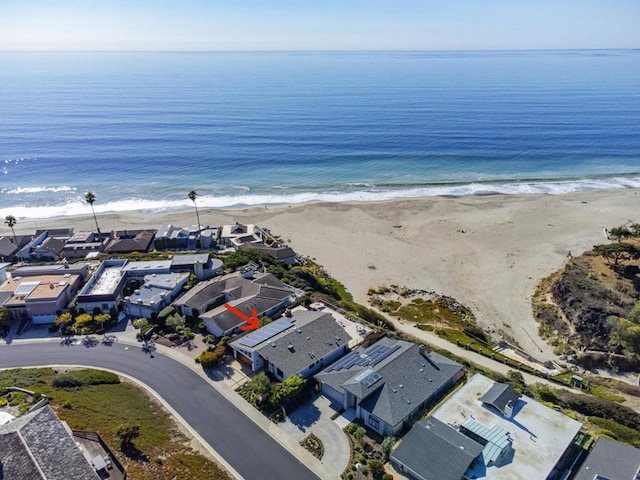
(371,356)
(265,333)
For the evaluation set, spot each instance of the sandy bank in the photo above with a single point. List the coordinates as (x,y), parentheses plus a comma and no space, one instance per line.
(488,252)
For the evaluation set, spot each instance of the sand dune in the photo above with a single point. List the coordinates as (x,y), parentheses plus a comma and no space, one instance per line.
(488,252)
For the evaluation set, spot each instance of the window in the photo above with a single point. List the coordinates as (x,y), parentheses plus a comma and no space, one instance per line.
(105,307)
(374,422)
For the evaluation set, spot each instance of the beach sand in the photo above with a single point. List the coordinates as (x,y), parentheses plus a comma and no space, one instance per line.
(488,252)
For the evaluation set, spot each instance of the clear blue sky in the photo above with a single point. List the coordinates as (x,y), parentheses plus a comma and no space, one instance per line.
(318,25)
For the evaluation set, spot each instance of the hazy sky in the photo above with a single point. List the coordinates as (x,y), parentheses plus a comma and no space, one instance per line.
(317,25)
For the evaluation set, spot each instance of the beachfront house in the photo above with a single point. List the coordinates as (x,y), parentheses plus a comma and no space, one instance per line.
(232,236)
(45,245)
(200,265)
(389,384)
(128,241)
(9,248)
(245,290)
(285,254)
(486,430)
(82,244)
(300,343)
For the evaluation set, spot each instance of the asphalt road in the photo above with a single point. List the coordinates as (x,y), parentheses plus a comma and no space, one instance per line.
(247,448)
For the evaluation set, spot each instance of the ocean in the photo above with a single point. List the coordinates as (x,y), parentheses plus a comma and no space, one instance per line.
(140,130)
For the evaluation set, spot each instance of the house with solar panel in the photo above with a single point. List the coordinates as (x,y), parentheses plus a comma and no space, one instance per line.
(389,384)
(300,343)
(486,430)
(39,297)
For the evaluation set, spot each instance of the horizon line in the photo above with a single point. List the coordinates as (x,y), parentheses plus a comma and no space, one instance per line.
(569,49)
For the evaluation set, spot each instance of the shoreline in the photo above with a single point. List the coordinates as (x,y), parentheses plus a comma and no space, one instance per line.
(488,251)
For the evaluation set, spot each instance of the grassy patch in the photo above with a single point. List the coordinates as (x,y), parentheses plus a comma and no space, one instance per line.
(99,404)
(616,431)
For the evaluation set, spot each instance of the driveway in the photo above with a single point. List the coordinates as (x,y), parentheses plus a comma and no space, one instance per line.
(315,417)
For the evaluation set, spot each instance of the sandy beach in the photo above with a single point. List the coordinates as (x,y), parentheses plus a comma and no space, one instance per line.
(487,251)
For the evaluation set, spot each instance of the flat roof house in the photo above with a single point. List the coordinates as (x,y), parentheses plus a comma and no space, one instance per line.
(244,290)
(40,297)
(610,460)
(38,446)
(522,439)
(56,269)
(389,383)
(104,288)
(300,343)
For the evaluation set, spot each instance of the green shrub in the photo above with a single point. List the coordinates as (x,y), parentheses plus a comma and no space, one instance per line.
(208,359)
(387,476)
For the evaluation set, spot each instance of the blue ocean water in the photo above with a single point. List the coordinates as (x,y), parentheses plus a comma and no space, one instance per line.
(142,129)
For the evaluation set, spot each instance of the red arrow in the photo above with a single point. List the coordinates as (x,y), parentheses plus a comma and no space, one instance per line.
(252,321)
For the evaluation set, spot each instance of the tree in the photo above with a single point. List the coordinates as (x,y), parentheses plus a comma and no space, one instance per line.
(387,445)
(614,253)
(10,221)
(359,433)
(377,468)
(5,318)
(192,196)
(635,229)
(259,387)
(90,198)
(618,233)
(125,434)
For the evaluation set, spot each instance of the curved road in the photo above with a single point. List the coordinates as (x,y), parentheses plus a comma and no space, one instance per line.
(245,446)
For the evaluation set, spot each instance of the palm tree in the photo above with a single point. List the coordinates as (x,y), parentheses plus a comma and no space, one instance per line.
(10,221)
(192,196)
(90,198)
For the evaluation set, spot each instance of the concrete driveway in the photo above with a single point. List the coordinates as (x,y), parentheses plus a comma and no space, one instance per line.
(315,417)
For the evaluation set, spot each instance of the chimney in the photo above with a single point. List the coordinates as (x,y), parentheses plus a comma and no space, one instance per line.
(287,313)
(508,409)
(423,350)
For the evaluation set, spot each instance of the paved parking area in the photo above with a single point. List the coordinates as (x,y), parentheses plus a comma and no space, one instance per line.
(315,417)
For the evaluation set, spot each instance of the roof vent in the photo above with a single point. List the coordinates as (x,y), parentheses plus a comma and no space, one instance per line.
(401,385)
(273,344)
(290,347)
(298,330)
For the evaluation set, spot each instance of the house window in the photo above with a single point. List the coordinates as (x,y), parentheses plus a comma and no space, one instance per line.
(279,372)
(105,306)
(374,422)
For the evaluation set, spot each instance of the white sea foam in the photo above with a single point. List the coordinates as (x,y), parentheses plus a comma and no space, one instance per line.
(79,207)
(21,190)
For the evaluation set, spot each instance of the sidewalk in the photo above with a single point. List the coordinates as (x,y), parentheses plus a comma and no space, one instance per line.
(126,333)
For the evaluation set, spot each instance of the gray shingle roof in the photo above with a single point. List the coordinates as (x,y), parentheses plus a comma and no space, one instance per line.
(313,333)
(434,450)
(205,293)
(408,379)
(41,437)
(500,395)
(612,460)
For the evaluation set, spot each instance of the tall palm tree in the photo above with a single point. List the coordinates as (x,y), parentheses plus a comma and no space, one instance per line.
(192,196)
(10,221)
(90,198)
